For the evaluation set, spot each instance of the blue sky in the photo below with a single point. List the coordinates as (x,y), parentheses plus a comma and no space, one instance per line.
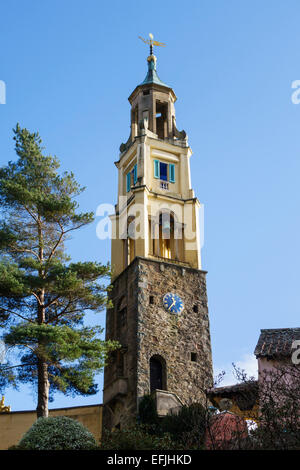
(70,66)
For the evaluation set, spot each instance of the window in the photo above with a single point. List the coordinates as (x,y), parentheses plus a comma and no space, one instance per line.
(195,308)
(164,171)
(194,357)
(131,178)
(151,300)
(161,119)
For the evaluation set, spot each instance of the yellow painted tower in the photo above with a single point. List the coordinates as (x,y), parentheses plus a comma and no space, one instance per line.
(159,313)
(157,212)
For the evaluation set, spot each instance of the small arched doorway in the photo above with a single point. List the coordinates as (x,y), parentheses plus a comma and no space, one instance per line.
(157,373)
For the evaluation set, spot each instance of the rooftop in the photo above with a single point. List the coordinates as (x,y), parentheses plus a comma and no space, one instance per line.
(276,342)
(244,394)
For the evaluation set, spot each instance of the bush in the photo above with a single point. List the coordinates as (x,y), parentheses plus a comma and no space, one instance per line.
(188,426)
(138,437)
(147,410)
(57,433)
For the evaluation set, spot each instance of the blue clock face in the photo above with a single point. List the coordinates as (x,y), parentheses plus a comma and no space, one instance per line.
(173,303)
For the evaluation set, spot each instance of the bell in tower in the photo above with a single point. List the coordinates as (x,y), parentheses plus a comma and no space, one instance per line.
(159,313)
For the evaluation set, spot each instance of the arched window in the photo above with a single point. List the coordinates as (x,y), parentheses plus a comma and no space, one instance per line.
(130,242)
(166,235)
(157,373)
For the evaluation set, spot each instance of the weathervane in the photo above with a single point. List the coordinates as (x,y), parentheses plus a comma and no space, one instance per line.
(151,42)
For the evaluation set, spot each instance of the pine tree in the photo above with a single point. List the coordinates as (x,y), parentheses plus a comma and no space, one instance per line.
(43,295)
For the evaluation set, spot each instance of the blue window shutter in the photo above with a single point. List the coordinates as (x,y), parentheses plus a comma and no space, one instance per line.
(135,174)
(156,169)
(128,182)
(171,172)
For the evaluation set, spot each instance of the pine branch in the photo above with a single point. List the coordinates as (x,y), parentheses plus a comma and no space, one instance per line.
(17,314)
(13,367)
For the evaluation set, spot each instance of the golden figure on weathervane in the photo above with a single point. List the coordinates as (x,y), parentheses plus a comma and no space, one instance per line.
(152,43)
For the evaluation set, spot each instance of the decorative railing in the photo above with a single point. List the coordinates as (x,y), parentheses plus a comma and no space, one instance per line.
(170,260)
(164,185)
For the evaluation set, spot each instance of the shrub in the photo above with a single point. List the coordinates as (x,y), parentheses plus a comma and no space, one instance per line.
(137,437)
(147,410)
(57,433)
(188,426)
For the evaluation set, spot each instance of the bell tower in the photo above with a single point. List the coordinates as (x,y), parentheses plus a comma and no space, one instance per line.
(159,313)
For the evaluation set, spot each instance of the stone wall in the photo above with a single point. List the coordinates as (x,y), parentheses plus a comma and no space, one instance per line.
(150,330)
(174,337)
(121,406)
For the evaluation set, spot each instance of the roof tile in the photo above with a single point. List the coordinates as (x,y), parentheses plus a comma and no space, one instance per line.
(276,342)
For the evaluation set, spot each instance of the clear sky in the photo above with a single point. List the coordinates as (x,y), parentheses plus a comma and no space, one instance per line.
(69,67)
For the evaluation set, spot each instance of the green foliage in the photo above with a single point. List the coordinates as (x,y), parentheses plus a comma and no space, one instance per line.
(57,433)
(147,410)
(80,352)
(43,296)
(188,426)
(182,431)
(138,437)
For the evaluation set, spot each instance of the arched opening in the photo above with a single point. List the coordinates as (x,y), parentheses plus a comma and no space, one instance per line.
(161,119)
(129,242)
(166,235)
(134,121)
(157,373)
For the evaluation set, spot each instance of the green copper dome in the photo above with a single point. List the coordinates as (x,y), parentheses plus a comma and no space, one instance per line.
(152,76)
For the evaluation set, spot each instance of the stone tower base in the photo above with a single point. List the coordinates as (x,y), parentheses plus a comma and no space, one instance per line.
(149,334)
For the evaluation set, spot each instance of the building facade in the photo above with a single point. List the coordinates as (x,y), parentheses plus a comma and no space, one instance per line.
(159,313)
(14,424)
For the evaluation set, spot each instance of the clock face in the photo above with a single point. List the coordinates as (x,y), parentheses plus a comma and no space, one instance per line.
(173,303)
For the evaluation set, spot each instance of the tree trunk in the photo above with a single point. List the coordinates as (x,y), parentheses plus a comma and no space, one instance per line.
(43,389)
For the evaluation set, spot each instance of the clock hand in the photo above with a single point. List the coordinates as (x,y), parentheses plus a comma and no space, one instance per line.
(172,304)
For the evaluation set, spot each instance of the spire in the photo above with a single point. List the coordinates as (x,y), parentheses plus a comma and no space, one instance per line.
(152,76)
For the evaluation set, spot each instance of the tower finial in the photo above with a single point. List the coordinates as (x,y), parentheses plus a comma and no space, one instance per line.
(152,43)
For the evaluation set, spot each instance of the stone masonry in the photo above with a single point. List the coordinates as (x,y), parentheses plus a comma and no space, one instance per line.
(145,329)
